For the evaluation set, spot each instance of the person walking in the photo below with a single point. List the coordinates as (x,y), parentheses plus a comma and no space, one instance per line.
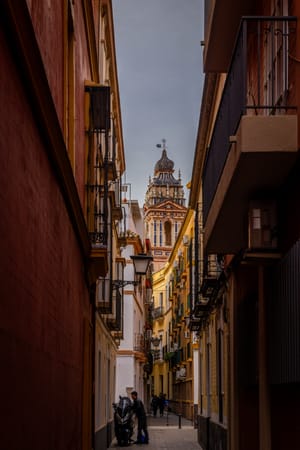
(161,403)
(139,411)
(154,405)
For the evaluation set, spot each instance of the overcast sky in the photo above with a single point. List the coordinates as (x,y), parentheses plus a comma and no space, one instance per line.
(159,60)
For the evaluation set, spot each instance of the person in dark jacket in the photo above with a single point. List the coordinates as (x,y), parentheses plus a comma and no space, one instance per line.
(139,410)
(154,405)
(161,403)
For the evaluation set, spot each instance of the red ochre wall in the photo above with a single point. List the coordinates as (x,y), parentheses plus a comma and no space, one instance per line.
(43,295)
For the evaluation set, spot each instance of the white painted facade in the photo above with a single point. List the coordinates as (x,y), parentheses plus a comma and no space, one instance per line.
(130,359)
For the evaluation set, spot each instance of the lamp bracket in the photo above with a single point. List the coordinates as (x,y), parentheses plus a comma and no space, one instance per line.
(117,284)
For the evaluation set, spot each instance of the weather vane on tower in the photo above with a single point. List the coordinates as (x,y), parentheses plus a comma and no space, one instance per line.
(163,145)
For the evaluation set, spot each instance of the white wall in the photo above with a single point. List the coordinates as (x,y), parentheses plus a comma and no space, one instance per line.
(129,370)
(124,375)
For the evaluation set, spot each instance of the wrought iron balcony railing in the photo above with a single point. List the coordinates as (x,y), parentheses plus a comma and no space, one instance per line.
(212,269)
(157,355)
(257,83)
(158,312)
(139,342)
(103,179)
(114,320)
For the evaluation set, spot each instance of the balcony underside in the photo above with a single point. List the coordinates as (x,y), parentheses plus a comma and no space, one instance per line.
(261,156)
(98,263)
(223,20)
(113,324)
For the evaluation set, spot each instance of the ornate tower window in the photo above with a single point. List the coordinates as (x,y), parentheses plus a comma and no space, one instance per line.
(176,229)
(168,236)
(160,234)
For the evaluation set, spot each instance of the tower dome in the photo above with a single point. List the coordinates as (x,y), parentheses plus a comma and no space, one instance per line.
(164,164)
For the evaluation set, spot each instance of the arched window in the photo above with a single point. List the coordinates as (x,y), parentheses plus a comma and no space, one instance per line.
(168,237)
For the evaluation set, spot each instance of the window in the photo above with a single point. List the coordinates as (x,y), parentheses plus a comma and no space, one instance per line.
(176,227)
(168,239)
(262,224)
(160,234)
(161,299)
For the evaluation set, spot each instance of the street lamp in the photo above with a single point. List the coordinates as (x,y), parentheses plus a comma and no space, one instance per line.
(141,264)
(156,341)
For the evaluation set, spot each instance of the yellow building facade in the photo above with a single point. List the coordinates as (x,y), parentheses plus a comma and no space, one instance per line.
(174,345)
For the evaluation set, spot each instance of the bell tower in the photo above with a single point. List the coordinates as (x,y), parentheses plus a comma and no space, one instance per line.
(164,208)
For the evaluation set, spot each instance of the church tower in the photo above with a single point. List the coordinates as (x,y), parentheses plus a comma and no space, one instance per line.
(164,209)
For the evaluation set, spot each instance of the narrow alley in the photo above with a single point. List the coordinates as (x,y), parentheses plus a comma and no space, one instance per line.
(150,224)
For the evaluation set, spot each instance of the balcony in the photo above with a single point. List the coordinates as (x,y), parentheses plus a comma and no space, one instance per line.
(254,141)
(158,355)
(221,23)
(114,321)
(139,343)
(158,312)
(176,358)
(104,296)
(202,309)
(97,212)
(115,193)
(98,263)
(195,323)
(211,278)
(102,178)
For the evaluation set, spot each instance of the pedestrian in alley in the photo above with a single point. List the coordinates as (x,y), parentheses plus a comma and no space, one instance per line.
(140,413)
(161,403)
(154,405)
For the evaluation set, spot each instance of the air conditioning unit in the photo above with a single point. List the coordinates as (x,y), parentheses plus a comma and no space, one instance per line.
(262,225)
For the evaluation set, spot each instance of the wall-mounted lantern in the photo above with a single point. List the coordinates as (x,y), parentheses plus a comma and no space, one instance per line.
(141,264)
